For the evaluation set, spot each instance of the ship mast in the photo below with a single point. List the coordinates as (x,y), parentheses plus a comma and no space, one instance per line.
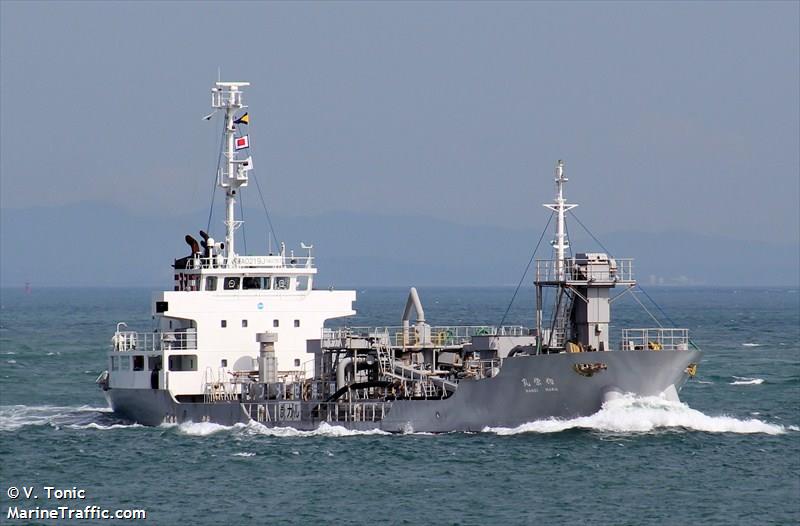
(560,207)
(233,174)
(554,273)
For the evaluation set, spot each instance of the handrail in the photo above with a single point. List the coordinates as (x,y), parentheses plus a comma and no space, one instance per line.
(613,270)
(251,262)
(124,341)
(440,336)
(655,339)
(350,411)
(483,368)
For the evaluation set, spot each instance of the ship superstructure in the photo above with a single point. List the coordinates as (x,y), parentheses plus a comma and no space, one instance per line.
(204,334)
(242,338)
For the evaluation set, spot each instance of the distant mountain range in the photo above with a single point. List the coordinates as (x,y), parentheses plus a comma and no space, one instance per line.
(97,245)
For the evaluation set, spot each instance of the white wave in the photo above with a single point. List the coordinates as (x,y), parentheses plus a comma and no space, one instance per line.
(100,427)
(743,380)
(751,345)
(629,414)
(201,428)
(13,417)
(254,428)
(339,431)
(245,454)
(324,430)
(11,361)
(10,352)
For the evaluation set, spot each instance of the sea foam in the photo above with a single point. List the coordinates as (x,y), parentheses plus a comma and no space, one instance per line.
(255,429)
(201,429)
(629,414)
(324,430)
(743,380)
(100,427)
(13,417)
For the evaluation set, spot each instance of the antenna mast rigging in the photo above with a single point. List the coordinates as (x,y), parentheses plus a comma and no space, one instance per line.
(233,174)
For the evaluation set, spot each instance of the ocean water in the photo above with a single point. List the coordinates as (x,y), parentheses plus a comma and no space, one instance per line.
(728,454)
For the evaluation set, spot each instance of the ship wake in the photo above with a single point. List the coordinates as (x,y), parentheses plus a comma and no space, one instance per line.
(635,415)
(15,417)
(256,429)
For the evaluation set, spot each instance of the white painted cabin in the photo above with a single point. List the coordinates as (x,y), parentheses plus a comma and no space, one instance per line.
(206,328)
(205,332)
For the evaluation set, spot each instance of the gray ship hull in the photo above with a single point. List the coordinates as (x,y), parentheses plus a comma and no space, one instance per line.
(527,388)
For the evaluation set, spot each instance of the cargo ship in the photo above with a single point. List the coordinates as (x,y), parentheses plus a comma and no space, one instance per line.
(243,338)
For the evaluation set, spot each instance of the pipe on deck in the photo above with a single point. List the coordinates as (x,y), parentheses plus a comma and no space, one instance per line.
(344,363)
(412,301)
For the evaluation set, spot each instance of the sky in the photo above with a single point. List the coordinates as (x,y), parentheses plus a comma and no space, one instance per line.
(670,116)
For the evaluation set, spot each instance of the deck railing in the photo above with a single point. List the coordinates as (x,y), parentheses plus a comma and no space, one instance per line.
(616,270)
(250,262)
(483,368)
(655,339)
(124,341)
(277,411)
(441,336)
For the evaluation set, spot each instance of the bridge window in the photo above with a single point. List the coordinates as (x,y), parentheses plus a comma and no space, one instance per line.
(223,323)
(275,323)
(183,362)
(302,282)
(124,363)
(250,283)
(138,363)
(244,323)
(282,283)
(162,306)
(296,323)
(115,363)
(211,283)
(297,362)
(231,283)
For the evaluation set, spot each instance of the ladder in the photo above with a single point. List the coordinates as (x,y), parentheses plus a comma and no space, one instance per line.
(385,360)
(428,389)
(561,320)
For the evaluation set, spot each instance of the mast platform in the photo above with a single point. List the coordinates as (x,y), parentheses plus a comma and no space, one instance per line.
(586,269)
